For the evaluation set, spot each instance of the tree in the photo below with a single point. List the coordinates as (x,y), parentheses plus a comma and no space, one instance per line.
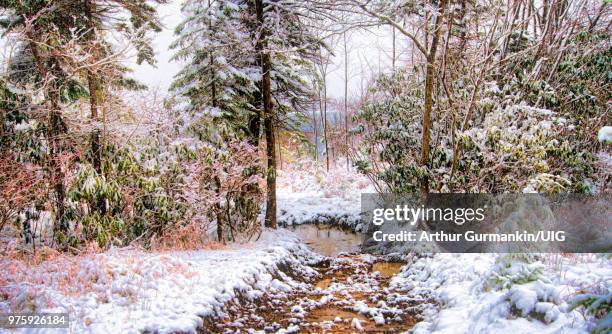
(62,53)
(102,70)
(42,30)
(346,83)
(218,79)
(389,13)
(322,64)
(268,114)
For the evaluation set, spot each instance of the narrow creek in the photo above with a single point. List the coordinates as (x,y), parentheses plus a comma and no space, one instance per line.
(352,294)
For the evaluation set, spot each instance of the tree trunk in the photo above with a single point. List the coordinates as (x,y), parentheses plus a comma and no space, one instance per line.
(393,54)
(56,127)
(429,83)
(326,125)
(213,97)
(266,65)
(346,115)
(95,134)
(316,135)
(92,83)
(219,214)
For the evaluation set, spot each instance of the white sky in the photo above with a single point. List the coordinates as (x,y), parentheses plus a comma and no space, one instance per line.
(161,76)
(370,51)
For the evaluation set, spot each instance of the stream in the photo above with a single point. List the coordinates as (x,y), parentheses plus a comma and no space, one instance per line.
(352,294)
(328,240)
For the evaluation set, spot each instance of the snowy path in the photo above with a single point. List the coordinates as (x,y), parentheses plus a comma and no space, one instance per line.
(352,294)
(130,291)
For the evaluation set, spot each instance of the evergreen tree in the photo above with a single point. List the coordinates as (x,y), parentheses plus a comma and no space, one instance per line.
(246,63)
(219,78)
(99,18)
(63,53)
(43,27)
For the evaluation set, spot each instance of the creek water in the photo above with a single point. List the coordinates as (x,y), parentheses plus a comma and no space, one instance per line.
(351,294)
(328,240)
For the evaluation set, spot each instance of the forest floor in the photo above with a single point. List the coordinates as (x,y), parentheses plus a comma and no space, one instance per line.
(278,284)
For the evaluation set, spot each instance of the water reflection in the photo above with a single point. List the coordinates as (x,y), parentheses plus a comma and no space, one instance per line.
(328,240)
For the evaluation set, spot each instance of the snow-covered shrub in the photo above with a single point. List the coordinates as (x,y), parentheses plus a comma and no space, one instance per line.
(510,145)
(529,125)
(390,124)
(512,269)
(537,300)
(528,292)
(599,306)
(229,184)
(134,198)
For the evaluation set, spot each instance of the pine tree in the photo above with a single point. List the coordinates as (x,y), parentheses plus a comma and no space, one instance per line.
(219,78)
(287,48)
(246,65)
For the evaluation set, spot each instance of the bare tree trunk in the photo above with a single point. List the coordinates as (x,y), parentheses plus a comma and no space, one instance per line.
(326,125)
(429,83)
(346,115)
(316,135)
(393,56)
(266,65)
(92,83)
(95,134)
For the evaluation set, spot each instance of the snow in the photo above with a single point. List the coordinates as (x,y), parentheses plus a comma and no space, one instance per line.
(356,324)
(485,293)
(605,134)
(23,126)
(130,291)
(309,194)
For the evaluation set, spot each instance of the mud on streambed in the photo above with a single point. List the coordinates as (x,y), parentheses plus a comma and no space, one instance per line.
(352,294)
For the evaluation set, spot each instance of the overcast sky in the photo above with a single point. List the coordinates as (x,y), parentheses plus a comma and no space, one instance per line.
(370,51)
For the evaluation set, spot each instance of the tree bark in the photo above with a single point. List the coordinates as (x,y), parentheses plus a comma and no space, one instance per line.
(316,135)
(268,113)
(325,123)
(323,106)
(393,54)
(429,83)
(213,97)
(95,134)
(92,83)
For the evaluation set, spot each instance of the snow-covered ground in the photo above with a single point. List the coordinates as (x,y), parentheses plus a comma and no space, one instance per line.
(492,293)
(129,291)
(306,193)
